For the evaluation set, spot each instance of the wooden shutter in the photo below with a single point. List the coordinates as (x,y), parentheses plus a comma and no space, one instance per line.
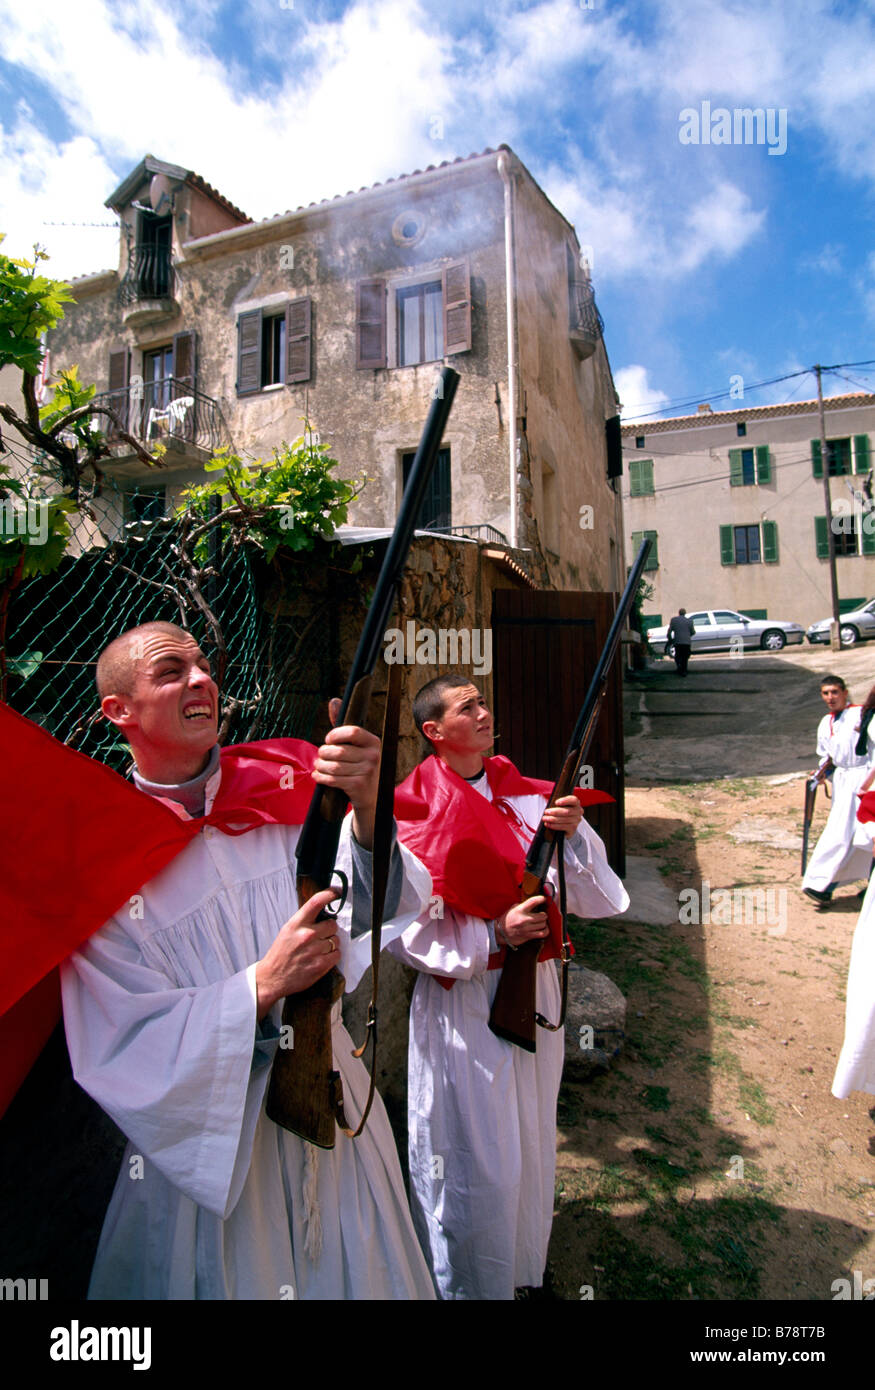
(635,478)
(764,466)
(614,445)
(456,286)
(821,538)
(647,476)
(298,319)
(736,468)
(727,546)
(867,534)
(370,323)
(640,477)
(816,459)
(861,453)
(119,379)
(770,542)
(652,562)
(249,353)
(184,364)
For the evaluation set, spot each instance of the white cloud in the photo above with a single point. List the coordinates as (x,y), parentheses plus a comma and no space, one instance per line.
(718,227)
(638,397)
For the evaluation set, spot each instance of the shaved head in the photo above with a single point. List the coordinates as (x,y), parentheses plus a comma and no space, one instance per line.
(117,663)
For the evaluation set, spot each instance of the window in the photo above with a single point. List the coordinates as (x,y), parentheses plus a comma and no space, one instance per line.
(653,557)
(740,429)
(157,374)
(435,514)
(749,545)
(274,346)
(839,453)
(420,318)
(749,466)
(851,538)
(639,444)
(147,505)
(153,266)
(420,326)
(641,477)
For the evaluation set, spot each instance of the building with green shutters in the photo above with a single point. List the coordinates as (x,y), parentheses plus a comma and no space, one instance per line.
(734,502)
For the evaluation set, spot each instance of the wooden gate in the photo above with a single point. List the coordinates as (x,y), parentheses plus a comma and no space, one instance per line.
(546,646)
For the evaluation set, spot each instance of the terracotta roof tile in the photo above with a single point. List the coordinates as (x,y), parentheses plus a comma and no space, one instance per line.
(758,412)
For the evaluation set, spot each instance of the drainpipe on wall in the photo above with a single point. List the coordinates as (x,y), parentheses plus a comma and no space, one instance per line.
(504,172)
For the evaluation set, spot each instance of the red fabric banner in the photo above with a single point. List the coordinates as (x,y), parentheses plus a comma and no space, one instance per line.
(78,841)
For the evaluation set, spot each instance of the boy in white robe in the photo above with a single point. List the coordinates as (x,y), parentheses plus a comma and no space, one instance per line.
(172,1013)
(481,1111)
(842,853)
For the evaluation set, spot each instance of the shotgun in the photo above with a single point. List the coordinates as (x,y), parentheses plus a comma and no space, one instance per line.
(304,1095)
(811,785)
(513,1015)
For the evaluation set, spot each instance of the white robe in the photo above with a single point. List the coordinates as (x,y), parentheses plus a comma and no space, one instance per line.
(481,1111)
(855,1070)
(843,853)
(213,1200)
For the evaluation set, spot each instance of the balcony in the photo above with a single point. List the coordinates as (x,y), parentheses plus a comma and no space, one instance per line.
(147,292)
(189,424)
(586,325)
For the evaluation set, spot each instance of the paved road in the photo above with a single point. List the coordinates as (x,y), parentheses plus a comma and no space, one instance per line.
(734,716)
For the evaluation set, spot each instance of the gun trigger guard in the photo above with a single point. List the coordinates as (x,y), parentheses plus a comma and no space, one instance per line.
(334,908)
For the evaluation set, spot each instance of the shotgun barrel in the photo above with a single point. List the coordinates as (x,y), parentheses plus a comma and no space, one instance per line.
(304,1095)
(513,1015)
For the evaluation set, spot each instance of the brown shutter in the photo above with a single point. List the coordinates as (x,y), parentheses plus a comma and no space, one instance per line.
(249,353)
(119,379)
(457,307)
(370,323)
(184,364)
(298,316)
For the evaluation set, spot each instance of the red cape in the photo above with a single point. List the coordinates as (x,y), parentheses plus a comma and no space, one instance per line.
(78,841)
(866,808)
(468,845)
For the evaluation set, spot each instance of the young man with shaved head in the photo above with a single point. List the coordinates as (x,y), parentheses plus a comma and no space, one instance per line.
(172,1012)
(482,1112)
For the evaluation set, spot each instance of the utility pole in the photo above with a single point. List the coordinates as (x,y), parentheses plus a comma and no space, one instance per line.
(835,640)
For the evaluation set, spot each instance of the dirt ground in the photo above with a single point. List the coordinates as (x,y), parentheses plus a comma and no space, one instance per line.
(712,1161)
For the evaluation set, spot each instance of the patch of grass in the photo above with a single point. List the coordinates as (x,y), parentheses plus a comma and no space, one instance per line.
(656,1098)
(753,1098)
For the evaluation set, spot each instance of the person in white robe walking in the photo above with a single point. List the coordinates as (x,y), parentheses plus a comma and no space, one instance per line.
(842,853)
(172,1013)
(481,1111)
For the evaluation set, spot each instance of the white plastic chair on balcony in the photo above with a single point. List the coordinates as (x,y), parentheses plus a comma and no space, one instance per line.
(171,416)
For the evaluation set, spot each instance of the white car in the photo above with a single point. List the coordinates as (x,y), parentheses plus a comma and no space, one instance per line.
(718,629)
(856,626)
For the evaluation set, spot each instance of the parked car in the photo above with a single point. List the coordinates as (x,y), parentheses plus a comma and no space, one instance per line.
(856,626)
(717,629)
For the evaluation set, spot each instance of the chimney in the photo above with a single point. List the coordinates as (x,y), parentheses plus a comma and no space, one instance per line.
(703,409)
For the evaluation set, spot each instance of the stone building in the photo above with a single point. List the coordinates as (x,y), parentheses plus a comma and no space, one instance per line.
(735,502)
(216,329)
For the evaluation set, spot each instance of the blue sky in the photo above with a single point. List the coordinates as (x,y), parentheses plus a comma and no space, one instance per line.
(709,260)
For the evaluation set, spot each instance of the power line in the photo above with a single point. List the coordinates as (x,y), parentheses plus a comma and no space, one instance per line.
(701,398)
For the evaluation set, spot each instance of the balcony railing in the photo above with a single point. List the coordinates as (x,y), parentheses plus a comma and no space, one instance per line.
(165,410)
(586,321)
(480,532)
(150,275)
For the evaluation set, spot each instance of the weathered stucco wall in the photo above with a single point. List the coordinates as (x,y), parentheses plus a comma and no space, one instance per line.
(566,402)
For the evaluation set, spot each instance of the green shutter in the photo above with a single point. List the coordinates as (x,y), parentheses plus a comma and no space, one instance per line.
(653,557)
(867,534)
(727,546)
(816,459)
(764,467)
(861,453)
(649,620)
(640,477)
(821,538)
(760,614)
(736,469)
(770,542)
